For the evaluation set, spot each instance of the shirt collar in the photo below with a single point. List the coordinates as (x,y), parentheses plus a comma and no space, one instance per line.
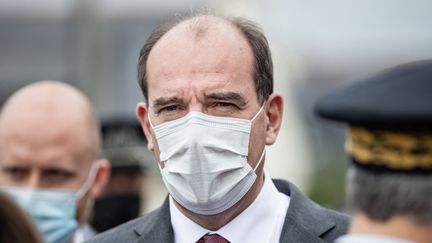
(270,207)
(185,230)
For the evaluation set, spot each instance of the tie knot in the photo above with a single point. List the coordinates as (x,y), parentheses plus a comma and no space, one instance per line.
(212,238)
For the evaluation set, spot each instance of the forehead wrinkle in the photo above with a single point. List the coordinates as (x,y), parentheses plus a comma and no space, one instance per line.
(192,57)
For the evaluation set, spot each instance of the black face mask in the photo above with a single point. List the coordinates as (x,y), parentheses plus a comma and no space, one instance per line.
(111,211)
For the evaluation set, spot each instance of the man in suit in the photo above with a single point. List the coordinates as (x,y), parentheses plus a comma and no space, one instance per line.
(210,111)
(50,158)
(389,141)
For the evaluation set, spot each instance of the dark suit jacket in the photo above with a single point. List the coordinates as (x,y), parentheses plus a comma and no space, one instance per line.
(305,221)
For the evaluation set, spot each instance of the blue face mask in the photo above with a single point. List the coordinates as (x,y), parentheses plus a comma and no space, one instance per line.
(52,211)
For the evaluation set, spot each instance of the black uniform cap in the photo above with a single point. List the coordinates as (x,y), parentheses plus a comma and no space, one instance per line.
(389,117)
(124,143)
(397,96)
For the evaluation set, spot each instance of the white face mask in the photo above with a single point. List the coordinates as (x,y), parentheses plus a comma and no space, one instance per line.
(206,168)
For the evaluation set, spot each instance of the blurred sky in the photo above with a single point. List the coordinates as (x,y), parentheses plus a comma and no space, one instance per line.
(316,46)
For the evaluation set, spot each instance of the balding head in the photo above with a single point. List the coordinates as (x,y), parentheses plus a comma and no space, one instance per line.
(48,126)
(49,138)
(201,26)
(51,112)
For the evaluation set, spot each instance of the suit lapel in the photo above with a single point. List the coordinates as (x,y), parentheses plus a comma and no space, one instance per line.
(292,232)
(305,220)
(160,229)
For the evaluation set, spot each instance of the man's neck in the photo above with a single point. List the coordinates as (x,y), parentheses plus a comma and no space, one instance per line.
(399,227)
(215,222)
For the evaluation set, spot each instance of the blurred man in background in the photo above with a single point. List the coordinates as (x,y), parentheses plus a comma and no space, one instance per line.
(389,141)
(123,197)
(50,158)
(210,113)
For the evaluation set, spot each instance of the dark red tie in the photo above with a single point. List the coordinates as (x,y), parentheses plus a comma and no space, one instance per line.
(213,238)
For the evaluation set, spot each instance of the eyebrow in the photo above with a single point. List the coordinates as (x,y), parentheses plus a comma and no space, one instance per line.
(67,171)
(229,96)
(12,167)
(162,101)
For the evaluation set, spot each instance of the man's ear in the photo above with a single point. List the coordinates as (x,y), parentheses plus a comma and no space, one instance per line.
(102,177)
(274,110)
(142,114)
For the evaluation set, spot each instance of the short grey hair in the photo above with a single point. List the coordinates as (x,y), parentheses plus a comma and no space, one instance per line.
(381,196)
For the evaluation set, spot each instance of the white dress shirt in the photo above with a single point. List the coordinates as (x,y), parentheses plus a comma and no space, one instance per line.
(261,222)
(83,233)
(366,238)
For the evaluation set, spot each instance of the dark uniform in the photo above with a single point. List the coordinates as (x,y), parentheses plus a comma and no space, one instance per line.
(389,117)
(389,142)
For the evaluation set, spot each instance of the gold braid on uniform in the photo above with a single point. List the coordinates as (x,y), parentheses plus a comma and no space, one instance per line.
(395,150)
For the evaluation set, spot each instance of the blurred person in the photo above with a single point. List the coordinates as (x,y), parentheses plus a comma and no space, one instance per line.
(50,157)
(122,199)
(15,225)
(210,112)
(389,141)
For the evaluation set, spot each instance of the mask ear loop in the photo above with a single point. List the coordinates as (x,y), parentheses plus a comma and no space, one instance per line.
(262,108)
(260,159)
(263,152)
(148,117)
(159,166)
(89,181)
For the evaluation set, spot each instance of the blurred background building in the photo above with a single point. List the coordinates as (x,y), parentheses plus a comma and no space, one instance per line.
(316,45)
